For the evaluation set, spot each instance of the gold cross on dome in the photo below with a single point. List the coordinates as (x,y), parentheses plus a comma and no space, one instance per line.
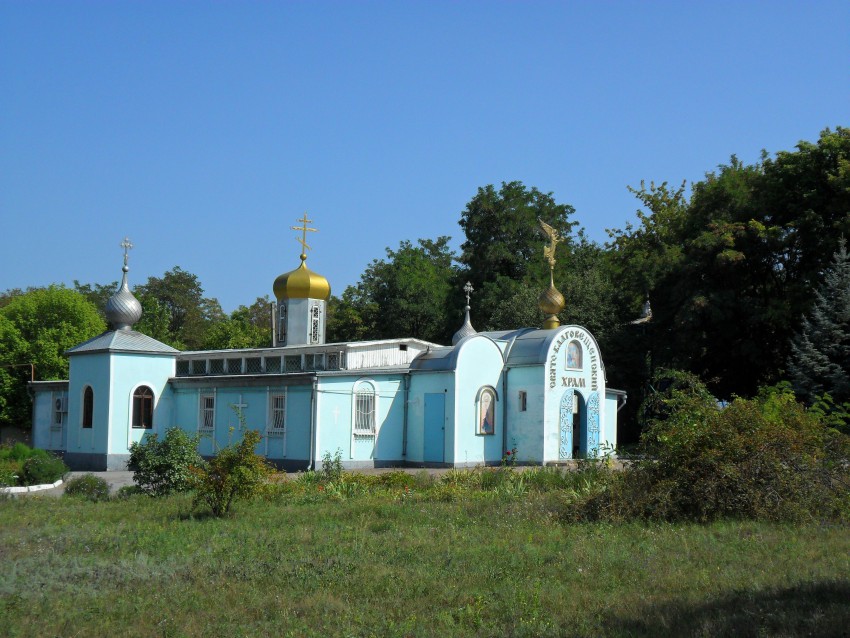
(304,230)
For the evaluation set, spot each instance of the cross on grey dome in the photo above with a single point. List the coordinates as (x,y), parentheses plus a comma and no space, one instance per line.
(123,309)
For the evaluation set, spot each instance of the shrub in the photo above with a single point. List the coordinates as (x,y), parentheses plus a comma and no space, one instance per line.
(89,487)
(162,467)
(10,470)
(126,491)
(764,458)
(235,472)
(332,467)
(40,469)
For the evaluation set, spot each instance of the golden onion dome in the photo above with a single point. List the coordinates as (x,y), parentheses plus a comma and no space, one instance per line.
(301,283)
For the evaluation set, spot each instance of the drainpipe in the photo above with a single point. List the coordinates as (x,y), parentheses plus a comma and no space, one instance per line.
(505,410)
(311,465)
(621,404)
(404,422)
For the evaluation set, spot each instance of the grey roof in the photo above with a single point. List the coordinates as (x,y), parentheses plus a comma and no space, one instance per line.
(530,347)
(442,358)
(122,341)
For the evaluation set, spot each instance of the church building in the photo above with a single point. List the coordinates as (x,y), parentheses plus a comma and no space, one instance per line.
(393,402)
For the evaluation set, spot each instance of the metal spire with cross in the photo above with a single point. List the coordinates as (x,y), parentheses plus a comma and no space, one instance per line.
(127,245)
(468,289)
(303,239)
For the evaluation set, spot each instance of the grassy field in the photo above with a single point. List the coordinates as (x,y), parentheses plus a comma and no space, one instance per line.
(407,563)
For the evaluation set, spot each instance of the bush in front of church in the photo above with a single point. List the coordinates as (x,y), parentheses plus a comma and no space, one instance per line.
(235,472)
(766,458)
(89,487)
(161,467)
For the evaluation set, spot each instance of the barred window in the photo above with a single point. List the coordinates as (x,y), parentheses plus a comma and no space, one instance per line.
(234,366)
(143,407)
(88,407)
(315,322)
(253,365)
(278,412)
(281,331)
(364,410)
(199,366)
(182,368)
(207,417)
(273,365)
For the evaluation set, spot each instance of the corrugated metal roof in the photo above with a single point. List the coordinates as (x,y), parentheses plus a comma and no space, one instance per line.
(122,341)
(443,358)
(531,347)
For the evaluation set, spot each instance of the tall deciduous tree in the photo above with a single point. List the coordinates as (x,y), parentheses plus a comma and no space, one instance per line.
(38,327)
(731,270)
(405,295)
(189,312)
(502,250)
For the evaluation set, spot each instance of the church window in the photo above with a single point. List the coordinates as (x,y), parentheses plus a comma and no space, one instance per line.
(216,366)
(523,401)
(143,407)
(234,366)
(182,368)
(253,365)
(278,412)
(364,410)
(88,407)
(315,323)
(207,416)
(199,366)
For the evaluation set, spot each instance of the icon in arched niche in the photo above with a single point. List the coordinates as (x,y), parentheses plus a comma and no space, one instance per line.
(574,355)
(486,411)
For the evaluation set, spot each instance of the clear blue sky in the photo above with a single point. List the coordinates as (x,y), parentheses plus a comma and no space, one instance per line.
(204,129)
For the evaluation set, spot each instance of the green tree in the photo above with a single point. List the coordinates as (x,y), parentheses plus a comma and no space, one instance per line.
(189,312)
(731,270)
(820,352)
(503,242)
(38,327)
(405,295)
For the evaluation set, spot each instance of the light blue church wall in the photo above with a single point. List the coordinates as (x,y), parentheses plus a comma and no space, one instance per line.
(574,374)
(436,392)
(479,369)
(336,407)
(93,370)
(524,429)
(48,433)
(288,446)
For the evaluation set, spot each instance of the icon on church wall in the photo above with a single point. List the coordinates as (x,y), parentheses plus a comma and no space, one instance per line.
(486,411)
(574,355)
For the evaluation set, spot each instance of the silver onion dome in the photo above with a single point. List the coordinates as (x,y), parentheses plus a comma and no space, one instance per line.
(466,329)
(123,309)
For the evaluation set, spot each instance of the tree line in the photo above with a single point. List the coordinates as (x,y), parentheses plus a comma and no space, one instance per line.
(745,272)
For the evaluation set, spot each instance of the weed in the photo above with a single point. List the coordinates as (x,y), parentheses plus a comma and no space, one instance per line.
(89,487)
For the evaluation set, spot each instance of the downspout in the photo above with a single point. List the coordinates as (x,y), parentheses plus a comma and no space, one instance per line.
(404,421)
(621,405)
(311,464)
(505,410)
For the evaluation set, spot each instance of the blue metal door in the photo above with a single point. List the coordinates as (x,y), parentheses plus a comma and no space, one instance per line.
(435,427)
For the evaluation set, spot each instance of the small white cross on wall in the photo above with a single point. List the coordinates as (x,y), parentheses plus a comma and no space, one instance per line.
(240,406)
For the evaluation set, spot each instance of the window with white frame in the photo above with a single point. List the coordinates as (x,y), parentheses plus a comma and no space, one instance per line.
(278,413)
(364,410)
(207,416)
(143,407)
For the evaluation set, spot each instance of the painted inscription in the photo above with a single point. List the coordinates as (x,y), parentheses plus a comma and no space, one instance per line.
(575,338)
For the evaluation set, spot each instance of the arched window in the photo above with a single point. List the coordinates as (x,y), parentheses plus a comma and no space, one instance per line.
(143,407)
(88,407)
(365,422)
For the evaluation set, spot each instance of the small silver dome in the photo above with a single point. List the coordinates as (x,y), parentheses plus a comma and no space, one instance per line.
(123,309)
(466,329)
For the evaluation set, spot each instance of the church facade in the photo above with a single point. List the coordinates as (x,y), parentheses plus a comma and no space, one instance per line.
(396,402)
